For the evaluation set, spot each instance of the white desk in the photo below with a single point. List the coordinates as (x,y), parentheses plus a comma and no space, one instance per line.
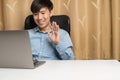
(66,70)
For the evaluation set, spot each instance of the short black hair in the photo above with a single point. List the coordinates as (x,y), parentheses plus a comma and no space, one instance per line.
(38,4)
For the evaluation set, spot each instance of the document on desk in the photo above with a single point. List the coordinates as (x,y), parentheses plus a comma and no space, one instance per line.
(66,70)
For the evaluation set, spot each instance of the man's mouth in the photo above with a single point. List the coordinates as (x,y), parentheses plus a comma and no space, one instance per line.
(40,23)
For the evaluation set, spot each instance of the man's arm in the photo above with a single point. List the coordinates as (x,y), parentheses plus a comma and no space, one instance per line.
(62,41)
(65,46)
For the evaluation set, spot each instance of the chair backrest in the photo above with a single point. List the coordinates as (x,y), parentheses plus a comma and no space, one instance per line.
(62,20)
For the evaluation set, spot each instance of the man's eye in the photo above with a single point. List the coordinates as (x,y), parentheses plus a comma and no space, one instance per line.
(43,13)
(35,14)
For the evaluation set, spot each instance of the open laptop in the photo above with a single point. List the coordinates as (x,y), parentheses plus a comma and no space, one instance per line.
(15,50)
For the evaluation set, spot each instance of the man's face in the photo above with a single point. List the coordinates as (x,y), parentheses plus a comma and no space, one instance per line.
(42,18)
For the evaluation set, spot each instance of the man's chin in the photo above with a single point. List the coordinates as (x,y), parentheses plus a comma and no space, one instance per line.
(41,26)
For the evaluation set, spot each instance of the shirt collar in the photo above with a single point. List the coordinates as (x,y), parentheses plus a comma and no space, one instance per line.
(36,29)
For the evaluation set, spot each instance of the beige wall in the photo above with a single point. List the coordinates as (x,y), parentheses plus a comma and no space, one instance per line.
(1,17)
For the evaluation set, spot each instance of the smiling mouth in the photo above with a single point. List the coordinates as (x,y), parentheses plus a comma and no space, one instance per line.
(41,23)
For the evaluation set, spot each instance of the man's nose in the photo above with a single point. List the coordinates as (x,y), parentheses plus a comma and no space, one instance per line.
(39,16)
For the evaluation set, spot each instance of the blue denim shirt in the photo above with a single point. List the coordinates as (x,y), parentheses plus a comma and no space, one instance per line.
(44,49)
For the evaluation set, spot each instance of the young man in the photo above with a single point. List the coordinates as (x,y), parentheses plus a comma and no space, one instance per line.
(48,41)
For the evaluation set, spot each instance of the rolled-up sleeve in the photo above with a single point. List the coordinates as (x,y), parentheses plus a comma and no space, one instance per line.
(65,46)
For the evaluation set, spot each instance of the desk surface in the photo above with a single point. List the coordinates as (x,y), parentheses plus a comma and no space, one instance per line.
(66,70)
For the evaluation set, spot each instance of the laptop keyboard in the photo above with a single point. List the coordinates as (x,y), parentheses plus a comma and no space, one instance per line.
(37,63)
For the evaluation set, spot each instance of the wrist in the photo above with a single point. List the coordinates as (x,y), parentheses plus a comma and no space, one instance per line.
(56,43)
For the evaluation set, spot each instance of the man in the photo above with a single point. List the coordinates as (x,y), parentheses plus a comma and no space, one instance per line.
(48,41)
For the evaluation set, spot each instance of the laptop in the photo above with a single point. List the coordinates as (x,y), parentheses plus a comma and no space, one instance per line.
(15,50)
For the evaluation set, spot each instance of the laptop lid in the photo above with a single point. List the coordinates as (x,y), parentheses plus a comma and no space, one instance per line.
(15,50)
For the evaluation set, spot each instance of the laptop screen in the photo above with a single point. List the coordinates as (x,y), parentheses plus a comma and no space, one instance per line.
(15,50)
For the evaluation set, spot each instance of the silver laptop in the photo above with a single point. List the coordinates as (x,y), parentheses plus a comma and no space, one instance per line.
(15,50)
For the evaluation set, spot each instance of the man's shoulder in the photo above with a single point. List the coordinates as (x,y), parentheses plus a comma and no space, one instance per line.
(33,30)
(62,31)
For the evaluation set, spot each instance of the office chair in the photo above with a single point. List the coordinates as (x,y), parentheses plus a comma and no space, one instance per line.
(62,20)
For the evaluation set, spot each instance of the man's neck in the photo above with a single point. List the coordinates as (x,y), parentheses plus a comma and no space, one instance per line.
(46,29)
